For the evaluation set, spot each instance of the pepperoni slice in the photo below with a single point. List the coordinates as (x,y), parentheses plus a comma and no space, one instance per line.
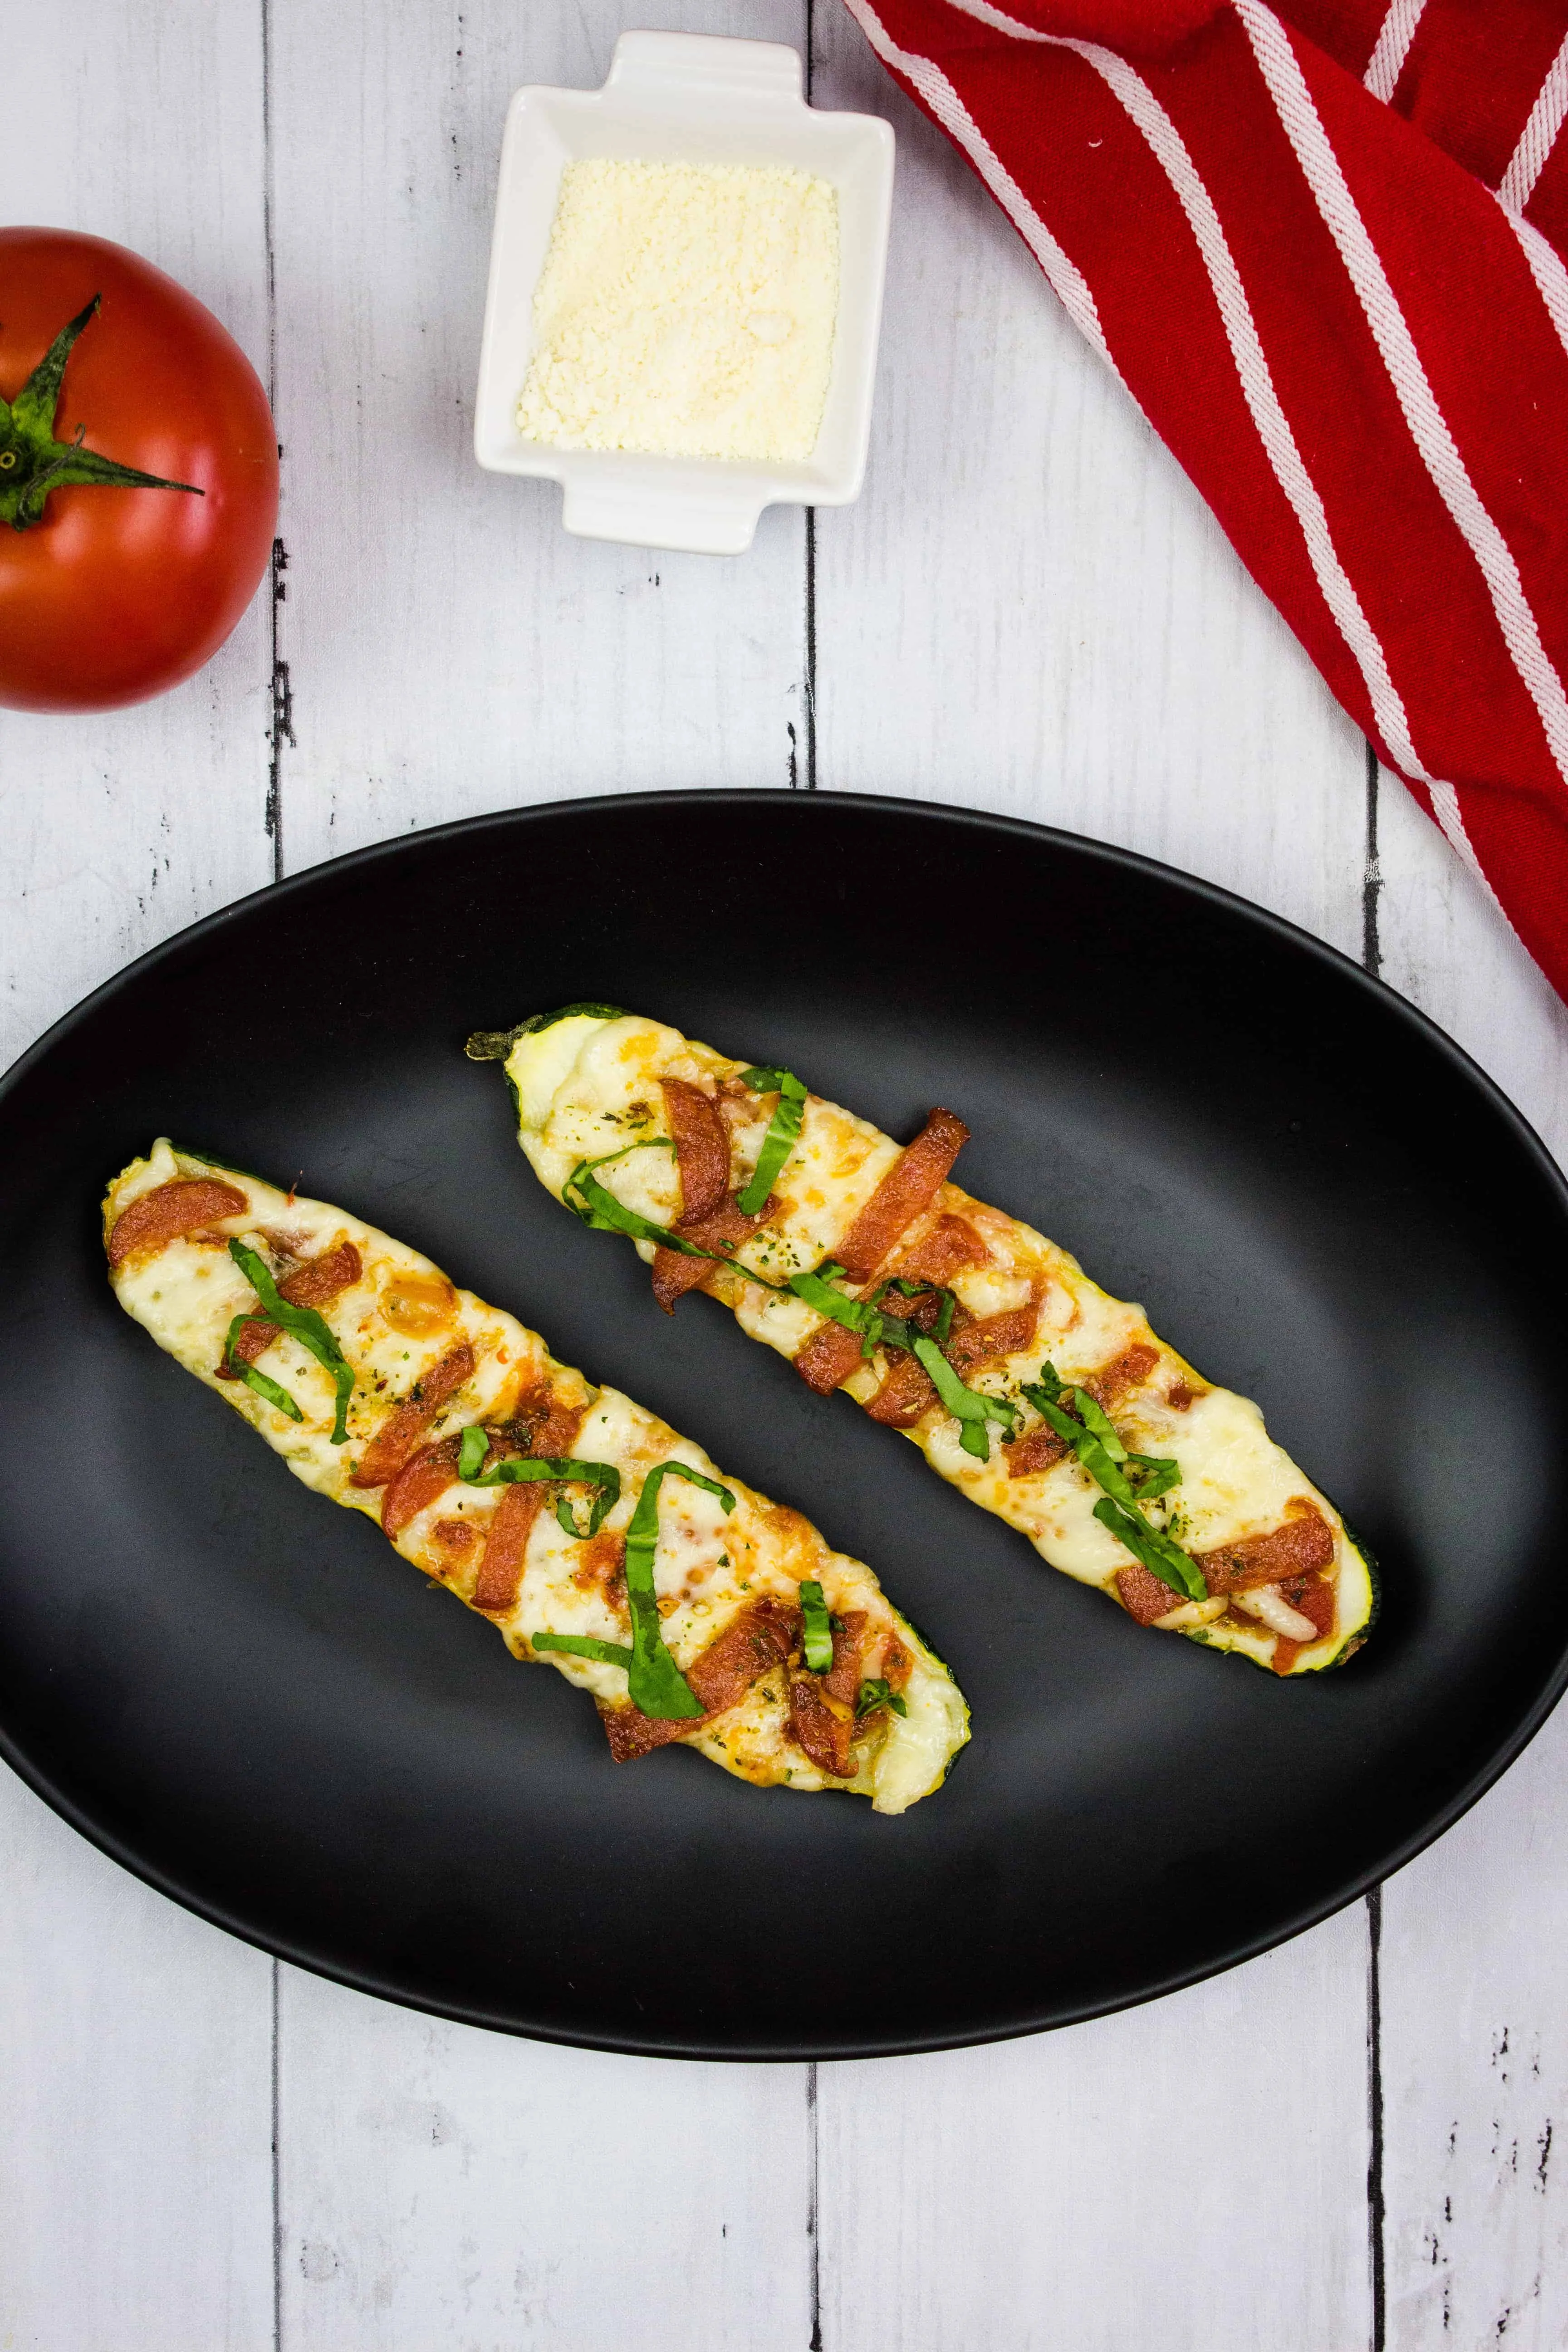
(632,1734)
(951,1244)
(1303,1546)
(762,1636)
(818,1729)
(170,1210)
(898,1665)
(400,1433)
(603,1562)
(1143,1595)
(905,1394)
(1042,1449)
(759,1637)
(993,1336)
(702,1147)
(674,1274)
(541,1423)
(315,1283)
(905,1193)
(828,1358)
(422,1480)
(1127,1371)
(500,1570)
(842,1680)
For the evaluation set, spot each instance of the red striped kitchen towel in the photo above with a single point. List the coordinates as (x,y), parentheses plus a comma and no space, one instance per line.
(1321,245)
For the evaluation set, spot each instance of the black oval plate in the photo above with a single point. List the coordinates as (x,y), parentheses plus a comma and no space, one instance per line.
(245,1697)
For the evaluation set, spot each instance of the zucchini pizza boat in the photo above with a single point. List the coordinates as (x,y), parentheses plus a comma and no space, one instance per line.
(1044,1400)
(590,1535)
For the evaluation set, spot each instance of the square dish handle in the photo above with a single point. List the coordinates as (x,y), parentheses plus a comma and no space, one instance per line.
(765,73)
(643,514)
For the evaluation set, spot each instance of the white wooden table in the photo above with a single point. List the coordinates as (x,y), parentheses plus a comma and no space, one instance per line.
(1359,2140)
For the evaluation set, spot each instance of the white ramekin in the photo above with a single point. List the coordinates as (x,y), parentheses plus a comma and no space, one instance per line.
(683,98)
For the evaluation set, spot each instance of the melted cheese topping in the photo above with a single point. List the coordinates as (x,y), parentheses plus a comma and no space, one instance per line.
(589,1086)
(394,1324)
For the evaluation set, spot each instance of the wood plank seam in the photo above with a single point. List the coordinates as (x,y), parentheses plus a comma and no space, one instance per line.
(277,2174)
(808,690)
(1371,878)
(280,729)
(807,778)
(1374,2191)
(802,743)
(813,2234)
(1372,957)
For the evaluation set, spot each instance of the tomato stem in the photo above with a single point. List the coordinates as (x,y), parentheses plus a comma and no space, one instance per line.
(33,463)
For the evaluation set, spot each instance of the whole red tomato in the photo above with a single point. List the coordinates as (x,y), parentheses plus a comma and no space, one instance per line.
(109,591)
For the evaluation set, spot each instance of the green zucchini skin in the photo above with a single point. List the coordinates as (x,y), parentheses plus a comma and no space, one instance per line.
(537,1069)
(1369,1560)
(495,1045)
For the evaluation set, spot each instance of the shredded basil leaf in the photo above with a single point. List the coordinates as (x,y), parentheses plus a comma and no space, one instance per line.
(656,1684)
(1090,1449)
(780,1139)
(605,1214)
(269,1389)
(1094,1420)
(1163,1557)
(873,1695)
(601,1210)
(968,1406)
(520,1469)
(584,1645)
(1128,1478)
(817,1628)
(893,1329)
(855,1313)
(304,1324)
(1120,1510)
(1147,1474)
(1151,1475)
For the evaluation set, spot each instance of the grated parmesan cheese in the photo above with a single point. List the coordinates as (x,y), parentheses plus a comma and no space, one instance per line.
(685,310)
